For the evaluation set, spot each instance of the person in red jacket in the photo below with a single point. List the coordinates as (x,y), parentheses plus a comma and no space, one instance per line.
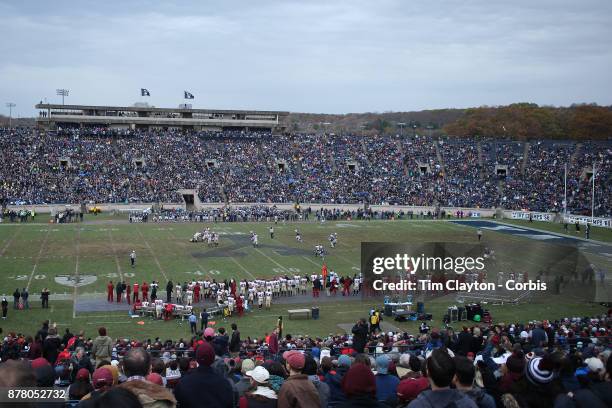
(196,293)
(128,289)
(145,292)
(135,293)
(346,286)
(109,291)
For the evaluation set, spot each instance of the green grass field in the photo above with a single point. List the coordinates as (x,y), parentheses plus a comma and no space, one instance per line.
(35,255)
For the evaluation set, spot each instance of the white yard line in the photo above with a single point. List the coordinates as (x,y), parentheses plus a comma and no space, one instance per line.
(76,273)
(242,267)
(42,246)
(272,260)
(311,261)
(152,254)
(9,242)
(110,235)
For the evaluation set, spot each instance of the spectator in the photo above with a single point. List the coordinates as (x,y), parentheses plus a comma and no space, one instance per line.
(441,370)
(136,366)
(204,386)
(334,379)
(234,345)
(51,346)
(102,347)
(297,391)
(464,382)
(360,334)
(81,385)
(310,369)
(116,397)
(359,386)
(245,382)
(262,396)
(386,384)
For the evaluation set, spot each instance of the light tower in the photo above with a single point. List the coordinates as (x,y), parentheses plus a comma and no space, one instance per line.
(63,93)
(10,105)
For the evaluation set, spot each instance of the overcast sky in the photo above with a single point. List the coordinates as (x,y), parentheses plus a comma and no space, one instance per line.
(307,56)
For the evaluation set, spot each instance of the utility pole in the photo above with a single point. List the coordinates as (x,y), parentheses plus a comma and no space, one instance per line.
(10,105)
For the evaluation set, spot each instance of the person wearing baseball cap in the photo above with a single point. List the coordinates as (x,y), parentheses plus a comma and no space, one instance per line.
(262,396)
(297,391)
(204,386)
(81,386)
(244,383)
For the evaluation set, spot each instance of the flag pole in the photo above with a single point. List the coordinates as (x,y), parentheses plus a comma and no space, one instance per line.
(593,196)
(565,193)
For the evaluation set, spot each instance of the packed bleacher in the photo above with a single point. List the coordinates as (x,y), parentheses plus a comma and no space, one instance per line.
(128,166)
(556,363)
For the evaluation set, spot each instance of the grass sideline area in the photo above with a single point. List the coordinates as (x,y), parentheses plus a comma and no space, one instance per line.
(597,233)
(38,255)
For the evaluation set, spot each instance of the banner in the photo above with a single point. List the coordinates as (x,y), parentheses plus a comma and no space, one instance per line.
(584,219)
(524,215)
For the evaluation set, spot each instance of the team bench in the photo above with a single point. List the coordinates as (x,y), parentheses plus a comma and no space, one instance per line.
(299,312)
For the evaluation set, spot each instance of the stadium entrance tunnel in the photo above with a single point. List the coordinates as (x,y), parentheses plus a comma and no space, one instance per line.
(190,199)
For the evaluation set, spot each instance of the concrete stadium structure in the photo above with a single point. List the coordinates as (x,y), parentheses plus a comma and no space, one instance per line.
(52,116)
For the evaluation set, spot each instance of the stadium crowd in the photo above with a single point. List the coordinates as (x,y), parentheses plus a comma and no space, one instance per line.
(100,165)
(561,363)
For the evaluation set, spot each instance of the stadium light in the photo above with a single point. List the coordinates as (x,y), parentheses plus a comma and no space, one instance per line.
(10,105)
(63,93)
(401,125)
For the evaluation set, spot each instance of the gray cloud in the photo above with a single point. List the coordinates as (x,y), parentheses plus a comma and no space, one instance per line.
(313,56)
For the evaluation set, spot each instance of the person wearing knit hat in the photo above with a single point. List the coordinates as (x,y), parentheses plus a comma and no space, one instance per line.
(386,384)
(155,378)
(334,380)
(539,371)
(297,391)
(204,386)
(209,333)
(262,395)
(359,386)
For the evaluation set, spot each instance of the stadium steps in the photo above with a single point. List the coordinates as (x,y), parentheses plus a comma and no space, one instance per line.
(364,148)
(525,157)
(480,160)
(439,157)
(400,149)
(575,154)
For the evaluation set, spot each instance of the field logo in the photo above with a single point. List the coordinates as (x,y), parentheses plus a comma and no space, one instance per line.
(72,280)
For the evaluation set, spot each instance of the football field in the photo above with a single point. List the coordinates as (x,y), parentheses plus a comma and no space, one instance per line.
(55,256)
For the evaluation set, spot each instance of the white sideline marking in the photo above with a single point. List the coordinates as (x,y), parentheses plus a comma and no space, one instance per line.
(272,260)
(242,267)
(9,242)
(42,246)
(152,253)
(110,235)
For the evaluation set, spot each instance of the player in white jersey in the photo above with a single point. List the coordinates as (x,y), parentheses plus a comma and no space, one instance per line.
(178,292)
(303,285)
(268,299)
(189,296)
(260,299)
(231,302)
(356,283)
(298,235)
(255,240)
(251,294)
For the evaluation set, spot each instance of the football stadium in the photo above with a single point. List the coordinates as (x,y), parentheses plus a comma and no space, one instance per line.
(194,256)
